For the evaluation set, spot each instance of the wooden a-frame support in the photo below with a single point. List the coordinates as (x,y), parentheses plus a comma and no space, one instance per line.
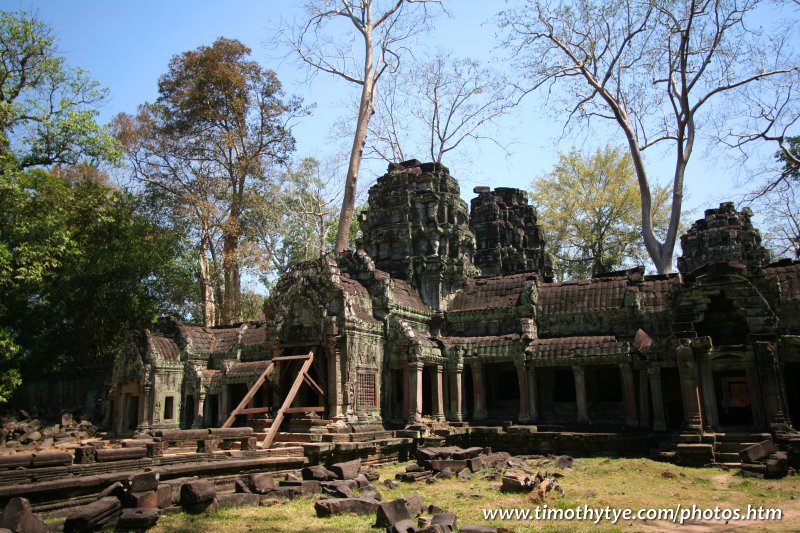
(302,376)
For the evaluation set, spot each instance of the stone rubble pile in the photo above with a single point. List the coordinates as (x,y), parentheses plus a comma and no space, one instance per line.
(24,432)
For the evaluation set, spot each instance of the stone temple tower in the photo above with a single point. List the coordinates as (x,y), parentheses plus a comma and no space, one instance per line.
(417,229)
(724,234)
(508,239)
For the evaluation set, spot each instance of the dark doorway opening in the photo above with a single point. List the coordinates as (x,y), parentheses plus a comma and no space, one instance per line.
(133,413)
(468,396)
(733,398)
(502,390)
(236,393)
(212,410)
(671,393)
(398,388)
(564,385)
(188,411)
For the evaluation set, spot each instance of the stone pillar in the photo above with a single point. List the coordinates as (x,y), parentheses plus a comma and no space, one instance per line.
(437,387)
(533,394)
(629,393)
(708,393)
(335,393)
(143,424)
(771,387)
(121,408)
(690,388)
(580,394)
(656,393)
(479,412)
(644,400)
(414,392)
(200,405)
(524,404)
(406,389)
(456,396)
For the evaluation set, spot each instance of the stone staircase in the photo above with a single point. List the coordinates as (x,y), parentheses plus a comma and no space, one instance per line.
(728,445)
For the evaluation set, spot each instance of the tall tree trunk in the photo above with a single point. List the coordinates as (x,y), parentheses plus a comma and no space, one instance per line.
(232,297)
(206,285)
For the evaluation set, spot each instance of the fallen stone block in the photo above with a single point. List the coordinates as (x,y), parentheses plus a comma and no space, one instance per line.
(337,489)
(19,518)
(517,481)
(164,495)
(337,506)
(758,451)
(414,504)
(371,474)
(465,475)
(454,465)
(347,470)
(259,483)
(370,492)
(287,492)
(411,477)
(115,489)
(389,513)
(197,491)
(447,520)
(317,472)
(403,526)
(487,461)
(141,500)
(307,486)
(200,508)
(472,528)
(226,501)
(93,516)
(143,482)
(435,528)
(137,519)
(777,465)
(564,461)
(468,453)
(390,484)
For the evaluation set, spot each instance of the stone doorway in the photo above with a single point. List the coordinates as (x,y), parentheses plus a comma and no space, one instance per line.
(131,412)
(188,411)
(427,391)
(732,391)
(468,396)
(791,374)
(502,390)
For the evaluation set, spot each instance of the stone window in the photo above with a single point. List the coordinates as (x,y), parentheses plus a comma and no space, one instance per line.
(365,390)
(169,408)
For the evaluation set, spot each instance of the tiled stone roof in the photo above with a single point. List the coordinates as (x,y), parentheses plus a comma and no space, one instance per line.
(788,279)
(163,348)
(209,340)
(254,335)
(482,342)
(247,368)
(405,295)
(584,295)
(360,299)
(573,347)
(653,294)
(492,292)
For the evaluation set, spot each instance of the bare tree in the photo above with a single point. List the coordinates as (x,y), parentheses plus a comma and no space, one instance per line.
(781,210)
(655,68)
(379,35)
(436,105)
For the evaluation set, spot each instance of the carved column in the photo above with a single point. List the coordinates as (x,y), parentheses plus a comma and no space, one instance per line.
(144,412)
(580,394)
(756,395)
(335,393)
(437,387)
(455,373)
(479,412)
(690,389)
(533,394)
(414,392)
(524,403)
(771,389)
(644,400)
(656,393)
(707,386)
(199,410)
(629,393)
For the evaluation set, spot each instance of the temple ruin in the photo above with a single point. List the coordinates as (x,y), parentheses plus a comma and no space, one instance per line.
(446,314)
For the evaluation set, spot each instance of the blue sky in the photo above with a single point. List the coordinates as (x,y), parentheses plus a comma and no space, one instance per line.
(126,46)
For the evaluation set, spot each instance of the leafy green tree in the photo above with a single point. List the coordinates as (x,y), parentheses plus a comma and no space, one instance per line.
(208,147)
(47,109)
(80,268)
(589,207)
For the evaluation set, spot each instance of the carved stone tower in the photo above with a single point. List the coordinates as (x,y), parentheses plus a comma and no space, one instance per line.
(507,237)
(416,229)
(723,235)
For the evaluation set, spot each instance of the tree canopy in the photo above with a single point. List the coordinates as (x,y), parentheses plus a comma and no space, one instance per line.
(588,206)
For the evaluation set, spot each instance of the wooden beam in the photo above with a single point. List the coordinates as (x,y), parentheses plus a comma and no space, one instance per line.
(249,396)
(254,410)
(318,409)
(313,384)
(290,357)
(276,422)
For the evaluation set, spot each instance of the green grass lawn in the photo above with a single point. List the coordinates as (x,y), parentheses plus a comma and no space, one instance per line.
(596,482)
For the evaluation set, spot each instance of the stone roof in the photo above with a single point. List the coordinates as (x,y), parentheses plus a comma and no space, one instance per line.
(583,295)
(163,347)
(511,339)
(209,340)
(360,300)
(653,293)
(495,292)
(404,294)
(569,347)
(247,368)
(788,275)
(254,334)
